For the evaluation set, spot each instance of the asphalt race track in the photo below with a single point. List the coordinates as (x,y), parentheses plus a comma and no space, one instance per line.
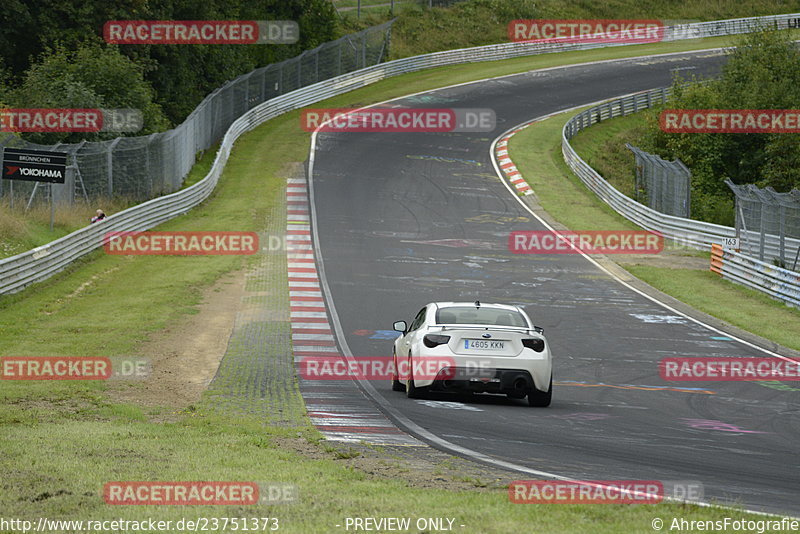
(408,218)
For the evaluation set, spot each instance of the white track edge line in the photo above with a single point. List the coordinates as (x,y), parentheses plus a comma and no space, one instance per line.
(346,352)
(592,260)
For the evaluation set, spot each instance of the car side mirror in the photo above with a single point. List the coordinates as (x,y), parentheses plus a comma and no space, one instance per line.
(400,326)
(538,329)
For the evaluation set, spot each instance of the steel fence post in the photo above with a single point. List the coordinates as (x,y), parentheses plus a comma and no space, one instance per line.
(110,167)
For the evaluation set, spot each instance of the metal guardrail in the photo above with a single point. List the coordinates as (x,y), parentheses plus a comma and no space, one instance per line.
(38,264)
(696,234)
(781,284)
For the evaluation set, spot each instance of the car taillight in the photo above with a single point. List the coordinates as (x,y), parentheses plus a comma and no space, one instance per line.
(534,343)
(434,340)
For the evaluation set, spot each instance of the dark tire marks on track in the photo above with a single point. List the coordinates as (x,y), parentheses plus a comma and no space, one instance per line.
(386,206)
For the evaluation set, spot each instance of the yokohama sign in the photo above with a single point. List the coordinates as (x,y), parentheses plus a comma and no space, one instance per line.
(34,165)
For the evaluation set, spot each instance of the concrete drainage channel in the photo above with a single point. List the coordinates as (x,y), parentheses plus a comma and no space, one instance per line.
(256,375)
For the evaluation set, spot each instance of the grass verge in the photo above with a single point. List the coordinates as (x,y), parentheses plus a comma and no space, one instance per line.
(419,30)
(22,230)
(603,147)
(64,482)
(63,441)
(537,153)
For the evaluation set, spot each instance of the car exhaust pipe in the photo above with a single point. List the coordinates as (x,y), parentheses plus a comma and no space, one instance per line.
(520,384)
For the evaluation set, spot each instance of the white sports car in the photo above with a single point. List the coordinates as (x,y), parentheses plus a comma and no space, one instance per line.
(473,347)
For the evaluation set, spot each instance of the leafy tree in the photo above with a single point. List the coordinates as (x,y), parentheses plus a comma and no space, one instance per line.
(30,27)
(3,87)
(763,72)
(181,75)
(94,76)
(781,168)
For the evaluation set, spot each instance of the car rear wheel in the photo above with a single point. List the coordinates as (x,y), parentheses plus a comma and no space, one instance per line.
(396,384)
(411,390)
(541,399)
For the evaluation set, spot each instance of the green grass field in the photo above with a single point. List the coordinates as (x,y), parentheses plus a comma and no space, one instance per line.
(62,441)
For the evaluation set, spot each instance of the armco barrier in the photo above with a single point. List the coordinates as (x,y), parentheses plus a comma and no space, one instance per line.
(38,264)
(698,234)
(779,283)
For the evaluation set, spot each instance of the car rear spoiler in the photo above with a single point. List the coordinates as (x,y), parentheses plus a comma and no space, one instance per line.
(537,329)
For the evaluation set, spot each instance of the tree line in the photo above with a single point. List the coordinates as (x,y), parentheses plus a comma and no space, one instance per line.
(52,55)
(762,73)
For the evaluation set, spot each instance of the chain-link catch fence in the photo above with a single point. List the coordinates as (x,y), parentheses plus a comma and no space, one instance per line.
(144,167)
(763,212)
(665,186)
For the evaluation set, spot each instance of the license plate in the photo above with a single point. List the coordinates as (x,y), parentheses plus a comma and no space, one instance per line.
(484,344)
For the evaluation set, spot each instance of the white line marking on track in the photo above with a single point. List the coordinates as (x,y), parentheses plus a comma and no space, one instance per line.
(370,389)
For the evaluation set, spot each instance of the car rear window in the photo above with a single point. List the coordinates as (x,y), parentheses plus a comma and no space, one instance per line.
(482,316)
